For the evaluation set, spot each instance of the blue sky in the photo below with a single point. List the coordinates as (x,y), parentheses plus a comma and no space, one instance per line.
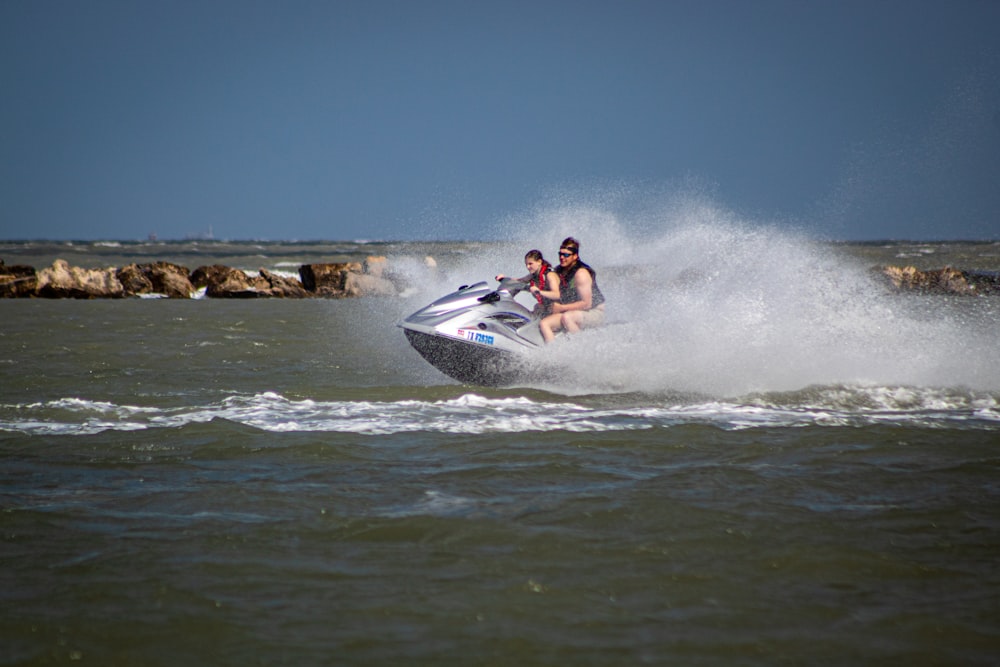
(407,120)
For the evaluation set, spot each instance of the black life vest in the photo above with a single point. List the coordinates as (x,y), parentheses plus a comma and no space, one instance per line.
(567,285)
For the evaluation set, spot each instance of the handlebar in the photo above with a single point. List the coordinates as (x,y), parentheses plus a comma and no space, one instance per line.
(512,285)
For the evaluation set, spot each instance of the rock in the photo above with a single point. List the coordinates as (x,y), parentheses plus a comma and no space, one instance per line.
(363,284)
(375,265)
(348,279)
(134,280)
(373,277)
(984,282)
(327,279)
(203,275)
(282,287)
(157,278)
(937,281)
(62,280)
(377,279)
(17,281)
(171,279)
(223,282)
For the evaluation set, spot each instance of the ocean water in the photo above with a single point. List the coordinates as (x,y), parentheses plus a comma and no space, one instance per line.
(764,458)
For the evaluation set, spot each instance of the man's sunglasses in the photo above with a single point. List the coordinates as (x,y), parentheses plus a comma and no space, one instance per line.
(563,253)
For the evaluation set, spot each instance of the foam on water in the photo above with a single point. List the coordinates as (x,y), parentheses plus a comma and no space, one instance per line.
(700,300)
(473,414)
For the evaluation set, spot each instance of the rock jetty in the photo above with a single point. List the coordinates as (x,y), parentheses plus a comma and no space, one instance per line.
(164,279)
(940,281)
(372,277)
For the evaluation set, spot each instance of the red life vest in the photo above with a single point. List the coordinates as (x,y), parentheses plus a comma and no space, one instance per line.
(540,282)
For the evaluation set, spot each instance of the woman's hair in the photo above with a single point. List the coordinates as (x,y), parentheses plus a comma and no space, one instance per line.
(534,254)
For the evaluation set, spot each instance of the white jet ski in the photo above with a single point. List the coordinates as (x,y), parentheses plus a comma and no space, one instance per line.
(477,334)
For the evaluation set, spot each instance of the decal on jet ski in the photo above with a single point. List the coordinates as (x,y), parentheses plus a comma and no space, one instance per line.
(476,336)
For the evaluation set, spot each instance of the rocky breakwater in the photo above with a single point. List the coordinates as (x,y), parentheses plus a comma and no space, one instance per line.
(166,280)
(940,281)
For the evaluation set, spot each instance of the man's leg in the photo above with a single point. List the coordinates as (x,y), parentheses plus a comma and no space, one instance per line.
(571,320)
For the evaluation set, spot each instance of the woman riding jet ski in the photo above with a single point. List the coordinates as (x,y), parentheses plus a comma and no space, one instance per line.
(543,282)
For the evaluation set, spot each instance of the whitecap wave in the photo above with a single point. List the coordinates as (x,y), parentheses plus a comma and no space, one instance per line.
(473,414)
(700,300)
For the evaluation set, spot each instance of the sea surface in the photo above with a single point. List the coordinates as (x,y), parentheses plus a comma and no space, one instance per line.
(765,458)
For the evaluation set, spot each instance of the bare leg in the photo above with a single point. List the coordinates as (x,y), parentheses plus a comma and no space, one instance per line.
(547,324)
(571,321)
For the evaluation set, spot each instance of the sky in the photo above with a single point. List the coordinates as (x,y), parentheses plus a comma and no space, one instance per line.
(440,119)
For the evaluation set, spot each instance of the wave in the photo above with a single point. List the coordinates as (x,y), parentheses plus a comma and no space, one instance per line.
(474,414)
(700,300)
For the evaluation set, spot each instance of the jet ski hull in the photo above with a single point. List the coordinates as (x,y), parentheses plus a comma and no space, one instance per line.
(467,363)
(476,335)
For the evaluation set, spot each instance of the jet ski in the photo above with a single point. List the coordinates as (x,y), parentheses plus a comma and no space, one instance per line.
(477,334)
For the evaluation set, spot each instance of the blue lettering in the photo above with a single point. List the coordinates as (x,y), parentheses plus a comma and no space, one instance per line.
(475,336)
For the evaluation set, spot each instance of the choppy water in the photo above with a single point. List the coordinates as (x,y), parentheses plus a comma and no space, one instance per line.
(763,459)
